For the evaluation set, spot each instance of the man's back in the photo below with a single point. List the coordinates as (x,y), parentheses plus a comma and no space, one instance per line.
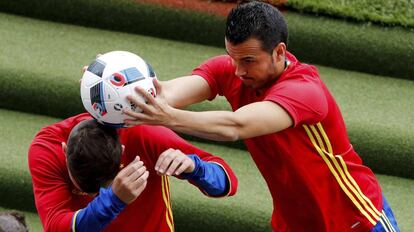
(57,198)
(53,188)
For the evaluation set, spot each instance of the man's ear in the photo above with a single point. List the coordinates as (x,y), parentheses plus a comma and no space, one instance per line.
(279,52)
(64,147)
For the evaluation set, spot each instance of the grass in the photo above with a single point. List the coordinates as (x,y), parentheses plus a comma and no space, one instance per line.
(45,60)
(42,48)
(50,56)
(352,46)
(385,12)
(321,40)
(39,68)
(249,210)
(17,132)
(378,114)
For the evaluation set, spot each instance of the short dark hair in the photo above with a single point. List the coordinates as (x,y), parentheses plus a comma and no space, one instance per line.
(257,20)
(93,155)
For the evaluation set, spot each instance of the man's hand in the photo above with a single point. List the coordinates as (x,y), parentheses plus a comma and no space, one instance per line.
(130,181)
(174,162)
(155,110)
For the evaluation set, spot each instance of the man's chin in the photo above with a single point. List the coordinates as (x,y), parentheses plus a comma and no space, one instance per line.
(252,85)
(248,83)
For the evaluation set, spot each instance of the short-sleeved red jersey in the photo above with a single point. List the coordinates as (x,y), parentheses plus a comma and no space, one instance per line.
(57,198)
(316,179)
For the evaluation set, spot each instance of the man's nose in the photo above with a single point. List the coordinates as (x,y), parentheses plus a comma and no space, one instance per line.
(240,70)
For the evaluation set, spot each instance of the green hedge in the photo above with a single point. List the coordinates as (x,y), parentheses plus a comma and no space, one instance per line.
(385,12)
(378,112)
(362,47)
(330,42)
(35,94)
(124,15)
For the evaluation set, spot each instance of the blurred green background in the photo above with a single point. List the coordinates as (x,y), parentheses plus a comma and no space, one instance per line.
(370,74)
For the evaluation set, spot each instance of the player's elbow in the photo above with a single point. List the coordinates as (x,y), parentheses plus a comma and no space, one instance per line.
(229,129)
(233,132)
(227,134)
(236,129)
(232,135)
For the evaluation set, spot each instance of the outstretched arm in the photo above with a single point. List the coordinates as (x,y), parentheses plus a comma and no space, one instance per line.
(183,91)
(252,120)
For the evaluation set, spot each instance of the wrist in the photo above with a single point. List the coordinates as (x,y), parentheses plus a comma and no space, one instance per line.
(99,212)
(197,170)
(191,168)
(173,117)
(118,203)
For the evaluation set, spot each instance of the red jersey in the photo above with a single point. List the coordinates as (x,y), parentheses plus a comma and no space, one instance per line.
(57,199)
(316,179)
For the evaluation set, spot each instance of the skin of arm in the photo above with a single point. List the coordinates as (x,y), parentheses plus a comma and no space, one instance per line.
(252,120)
(249,121)
(183,91)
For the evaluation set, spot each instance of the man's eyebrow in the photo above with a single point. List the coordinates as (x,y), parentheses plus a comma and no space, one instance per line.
(248,58)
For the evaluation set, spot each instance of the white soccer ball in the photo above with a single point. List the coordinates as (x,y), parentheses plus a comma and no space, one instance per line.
(109,80)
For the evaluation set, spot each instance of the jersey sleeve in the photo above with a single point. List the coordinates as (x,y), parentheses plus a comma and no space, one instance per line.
(104,208)
(214,71)
(51,192)
(303,98)
(209,177)
(158,139)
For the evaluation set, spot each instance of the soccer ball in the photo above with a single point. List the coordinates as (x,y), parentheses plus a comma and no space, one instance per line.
(109,80)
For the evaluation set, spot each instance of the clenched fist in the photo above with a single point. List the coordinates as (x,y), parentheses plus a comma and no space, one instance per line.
(174,162)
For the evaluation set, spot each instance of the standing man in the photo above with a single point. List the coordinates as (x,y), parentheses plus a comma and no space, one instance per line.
(87,177)
(288,120)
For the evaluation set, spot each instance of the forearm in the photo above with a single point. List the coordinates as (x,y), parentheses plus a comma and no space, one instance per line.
(210,177)
(213,125)
(184,91)
(99,213)
(252,120)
